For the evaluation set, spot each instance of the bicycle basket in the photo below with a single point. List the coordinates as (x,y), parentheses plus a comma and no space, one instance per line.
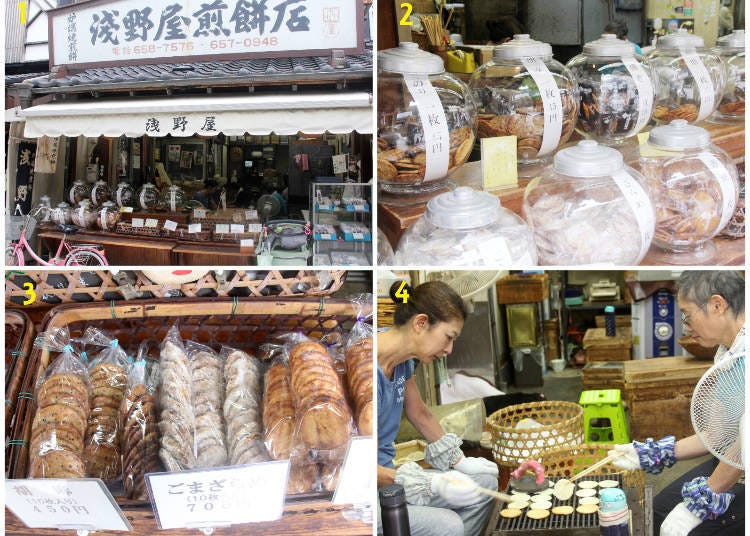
(14,225)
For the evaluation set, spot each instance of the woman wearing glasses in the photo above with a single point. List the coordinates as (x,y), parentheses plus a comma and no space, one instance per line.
(707,500)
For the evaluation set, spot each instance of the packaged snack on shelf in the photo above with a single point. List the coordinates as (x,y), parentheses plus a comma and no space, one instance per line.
(323,231)
(357,232)
(358,356)
(207,393)
(109,379)
(241,409)
(355,204)
(279,421)
(176,419)
(62,396)
(138,415)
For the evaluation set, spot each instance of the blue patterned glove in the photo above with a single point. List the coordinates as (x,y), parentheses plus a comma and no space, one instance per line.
(655,455)
(702,501)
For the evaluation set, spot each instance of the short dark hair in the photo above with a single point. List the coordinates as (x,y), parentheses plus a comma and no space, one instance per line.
(435,299)
(698,287)
(618,27)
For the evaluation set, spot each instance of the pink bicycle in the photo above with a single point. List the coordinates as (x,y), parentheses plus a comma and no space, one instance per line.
(17,228)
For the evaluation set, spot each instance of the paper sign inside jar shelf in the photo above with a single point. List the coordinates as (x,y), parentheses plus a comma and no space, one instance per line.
(251,214)
(194,228)
(81,503)
(136,222)
(152,222)
(237,228)
(254,228)
(199,213)
(220,496)
(247,243)
(222,228)
(356,485)
(499,162)
(170,225)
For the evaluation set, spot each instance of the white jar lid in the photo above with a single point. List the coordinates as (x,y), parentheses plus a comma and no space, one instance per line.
(521,46)
(63,205)
(679,134)
(609,46)
(463,208)
(736,39)
(588,159)
(681,38)
(409,59)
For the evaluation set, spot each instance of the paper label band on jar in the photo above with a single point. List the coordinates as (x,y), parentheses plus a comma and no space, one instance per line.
(726,184)
(641,206)
(72,196)
(103,218)
(173,201)
(645,90)
(118,197)
(437,142)
(551,101)
(703,80)
(93,195)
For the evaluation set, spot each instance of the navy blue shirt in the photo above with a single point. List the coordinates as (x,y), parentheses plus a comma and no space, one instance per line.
(390,407)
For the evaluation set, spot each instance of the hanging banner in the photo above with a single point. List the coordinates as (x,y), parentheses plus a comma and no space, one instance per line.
(339,163)
(46,155)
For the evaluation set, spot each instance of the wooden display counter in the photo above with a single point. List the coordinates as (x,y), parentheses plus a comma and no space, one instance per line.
(302,518)
(394,220)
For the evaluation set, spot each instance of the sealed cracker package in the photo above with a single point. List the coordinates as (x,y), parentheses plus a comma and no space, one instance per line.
(207,393)
(279,420)
(359,371)
(59,426)
(138,425)
(109,379)
(176,420)
(242,407)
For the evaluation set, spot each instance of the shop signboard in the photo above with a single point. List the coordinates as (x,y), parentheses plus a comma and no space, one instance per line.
(157,31)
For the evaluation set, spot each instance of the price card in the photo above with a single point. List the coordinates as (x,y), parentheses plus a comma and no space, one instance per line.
(126,209)
(170,225)
(703,80)
(136,222)
(152,222)
(326,236)
(551,101)
(434,123)
(222,228)
(359,208)
(81,503)
(247,243)
(358,236)
(238,228)
(254,228)
(251,214)
(199,213)
(219,497)
(194,228)
(499,162)
(356,484)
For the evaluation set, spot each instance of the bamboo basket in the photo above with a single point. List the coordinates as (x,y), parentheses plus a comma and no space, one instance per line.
(54,287)
(562,424)
(128,229)
(19,338)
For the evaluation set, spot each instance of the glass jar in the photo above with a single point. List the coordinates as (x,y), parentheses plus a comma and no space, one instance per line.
(100,193)
(173,199)
(731,49)
(385,251)
(588,207)
(147,197)
(616,90)
(426,120)
(124,195)
(109,215)
(84,215)
(467,227)
(78,192)
(62,214)
(689,79)
(43,209)
(524,92)
(694,187)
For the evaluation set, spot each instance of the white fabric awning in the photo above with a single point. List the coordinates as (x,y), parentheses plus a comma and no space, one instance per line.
(233,115)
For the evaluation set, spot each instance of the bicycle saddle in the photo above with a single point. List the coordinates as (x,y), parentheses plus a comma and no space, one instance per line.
(68,228)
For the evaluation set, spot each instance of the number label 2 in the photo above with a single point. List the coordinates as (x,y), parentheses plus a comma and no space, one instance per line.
(407,13)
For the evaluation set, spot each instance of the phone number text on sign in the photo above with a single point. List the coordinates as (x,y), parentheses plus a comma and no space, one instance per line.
(246,43)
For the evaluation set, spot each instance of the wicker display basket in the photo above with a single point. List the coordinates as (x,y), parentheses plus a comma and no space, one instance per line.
(19,338)
(54,287)
(561,424)
(128,229)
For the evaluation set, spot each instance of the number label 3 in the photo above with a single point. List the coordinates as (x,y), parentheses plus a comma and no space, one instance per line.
(407,13)
(30,293)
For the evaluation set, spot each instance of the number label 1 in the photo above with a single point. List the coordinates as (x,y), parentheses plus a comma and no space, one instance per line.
(30,293)
(407,13)
(23,6)
(402,293)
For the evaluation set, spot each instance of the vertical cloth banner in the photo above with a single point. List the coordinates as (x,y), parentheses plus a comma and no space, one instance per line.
(339,163)
(46,155)
(25,175)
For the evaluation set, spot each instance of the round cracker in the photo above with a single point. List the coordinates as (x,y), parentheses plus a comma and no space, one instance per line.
(510,513)
(588,500)
(588,484)
(518,505)
(609,484)
(520,496)
(541,505)
(587,509)
(537,513)
(585,493)
(564,510)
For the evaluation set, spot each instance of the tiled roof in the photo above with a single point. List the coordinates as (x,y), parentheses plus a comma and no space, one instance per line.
(16,78)
(261,70)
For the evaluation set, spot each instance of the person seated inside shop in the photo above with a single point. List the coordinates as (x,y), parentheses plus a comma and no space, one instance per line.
(443,500)
(620,28)
(208,196)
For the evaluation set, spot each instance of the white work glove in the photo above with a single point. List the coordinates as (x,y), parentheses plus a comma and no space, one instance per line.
(651,456)
(477,466)
(679,522)
(444,453)
(627,461)
(456,488)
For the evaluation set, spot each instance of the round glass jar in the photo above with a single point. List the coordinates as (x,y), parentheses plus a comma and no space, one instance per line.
(43,209)
(124,194)
(173,199)
(79,191)
(694,187)
(147,197)
(588,207)
(426,120)
(109,215)
(62,214)
(100,193)
(524,92)
(467,227)
(85,215)
(731,49)
(689,79)
(616,90)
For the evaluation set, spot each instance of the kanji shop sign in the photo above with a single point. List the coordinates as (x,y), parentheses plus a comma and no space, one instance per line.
(137,31)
